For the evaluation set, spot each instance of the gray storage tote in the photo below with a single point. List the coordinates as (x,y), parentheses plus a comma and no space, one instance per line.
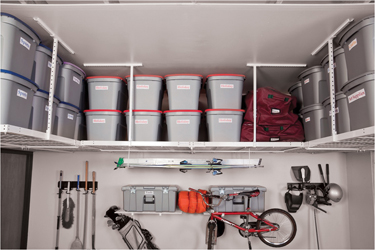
(342,114)
(183,91)
(146,125)
(224,125)
(183,125)
(105,125)
(65,120)
(339,66)
(150,198)
(39,112)
(80,132)
(315,124)
(239,203)
(17,93)
(18,45)
(314,85)
(296,91)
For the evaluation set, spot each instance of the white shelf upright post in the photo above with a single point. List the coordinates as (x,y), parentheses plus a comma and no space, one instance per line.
(255,66)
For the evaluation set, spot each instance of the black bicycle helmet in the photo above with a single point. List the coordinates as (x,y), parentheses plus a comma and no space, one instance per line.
(293,202)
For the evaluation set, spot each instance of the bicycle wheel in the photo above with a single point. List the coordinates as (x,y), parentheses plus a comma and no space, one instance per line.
(286,231)
(211,235)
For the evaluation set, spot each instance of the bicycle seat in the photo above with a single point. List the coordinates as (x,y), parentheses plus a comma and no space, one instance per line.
(253,193)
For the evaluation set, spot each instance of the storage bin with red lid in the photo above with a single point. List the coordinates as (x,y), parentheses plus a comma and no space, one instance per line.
(146,124)
(183,125)
(224,125)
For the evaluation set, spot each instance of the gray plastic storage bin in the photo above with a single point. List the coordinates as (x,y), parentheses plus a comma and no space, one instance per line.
(17,93)
(224,125)
(80,132)
(107,92)
(314,85)
(69,84)
(150,198)
(18,45)
(65,120)
(43,65)
(146,125)
(342,114)
(148,91)
(360,96)
(183,125)
(340,70)
(314,122)
(183,91)
(105,125)
(224,91)
(239,203)
(296,91)
(358,43)
(39,111)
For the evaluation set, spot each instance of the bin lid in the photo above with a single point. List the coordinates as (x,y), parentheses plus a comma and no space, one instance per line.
(182,75)
(71,106)
(50,51)
(310,108)
(339,95)
(225,75)
(46,92)
(184,110)
(101,110)
(368,76)
(356,27)
(19,20)
(143,110)
(309,71)
(134,76)
(236,110)
(80,71)
(20,76)
(336,52)
(294,86)
(104,77)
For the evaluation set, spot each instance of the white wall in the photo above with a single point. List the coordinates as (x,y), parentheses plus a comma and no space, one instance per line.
(184,231)
(361,201)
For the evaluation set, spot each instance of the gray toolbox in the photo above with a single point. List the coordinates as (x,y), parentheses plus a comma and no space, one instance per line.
(150,198)
(239,203)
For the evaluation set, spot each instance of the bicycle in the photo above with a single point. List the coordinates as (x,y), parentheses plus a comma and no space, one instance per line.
(274,227)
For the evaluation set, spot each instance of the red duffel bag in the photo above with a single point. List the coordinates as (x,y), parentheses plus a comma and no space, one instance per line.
(273,107)
(273,133)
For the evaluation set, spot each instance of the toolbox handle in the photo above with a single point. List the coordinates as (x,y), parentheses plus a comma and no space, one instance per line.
(145,201)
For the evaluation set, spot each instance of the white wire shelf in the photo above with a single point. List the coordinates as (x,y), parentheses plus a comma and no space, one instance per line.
(26,139)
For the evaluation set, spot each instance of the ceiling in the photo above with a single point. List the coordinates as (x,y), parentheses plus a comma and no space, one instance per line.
(201,37)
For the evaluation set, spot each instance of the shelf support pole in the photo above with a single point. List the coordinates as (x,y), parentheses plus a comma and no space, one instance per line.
(52,82)
(332,89)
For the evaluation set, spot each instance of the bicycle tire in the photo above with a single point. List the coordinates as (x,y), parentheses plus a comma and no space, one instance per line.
(286,232)
(211,235)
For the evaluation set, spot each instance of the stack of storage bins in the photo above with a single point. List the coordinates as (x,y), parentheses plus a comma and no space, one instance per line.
(146,115)
(358,44)
(107,99)
(224,113)
(183,117)
(18,46)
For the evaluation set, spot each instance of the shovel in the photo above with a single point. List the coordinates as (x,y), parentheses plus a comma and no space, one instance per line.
(77,244)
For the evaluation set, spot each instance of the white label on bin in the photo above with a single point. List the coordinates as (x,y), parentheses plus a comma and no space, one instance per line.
(141,121)
(182,121)
(22,94)
(76,80)
(70,117)
(98,120)
(225,120)
(149,192)
(49,64)
(25,43)
(306,81)
(227,86)
(183,86)
(352,44)
(357,95)
(336,111)
(142,86)
(101,87)
(307,119)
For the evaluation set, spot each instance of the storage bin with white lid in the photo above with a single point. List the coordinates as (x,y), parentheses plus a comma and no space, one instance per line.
(107,92)
(146,124)
(183,91)
(148,91)
(39,112)
(105,125)
(314,85)
(17,93)
(183,125)
(65,120)
(18,45)
(224,125)
(224,91)
(69,84)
